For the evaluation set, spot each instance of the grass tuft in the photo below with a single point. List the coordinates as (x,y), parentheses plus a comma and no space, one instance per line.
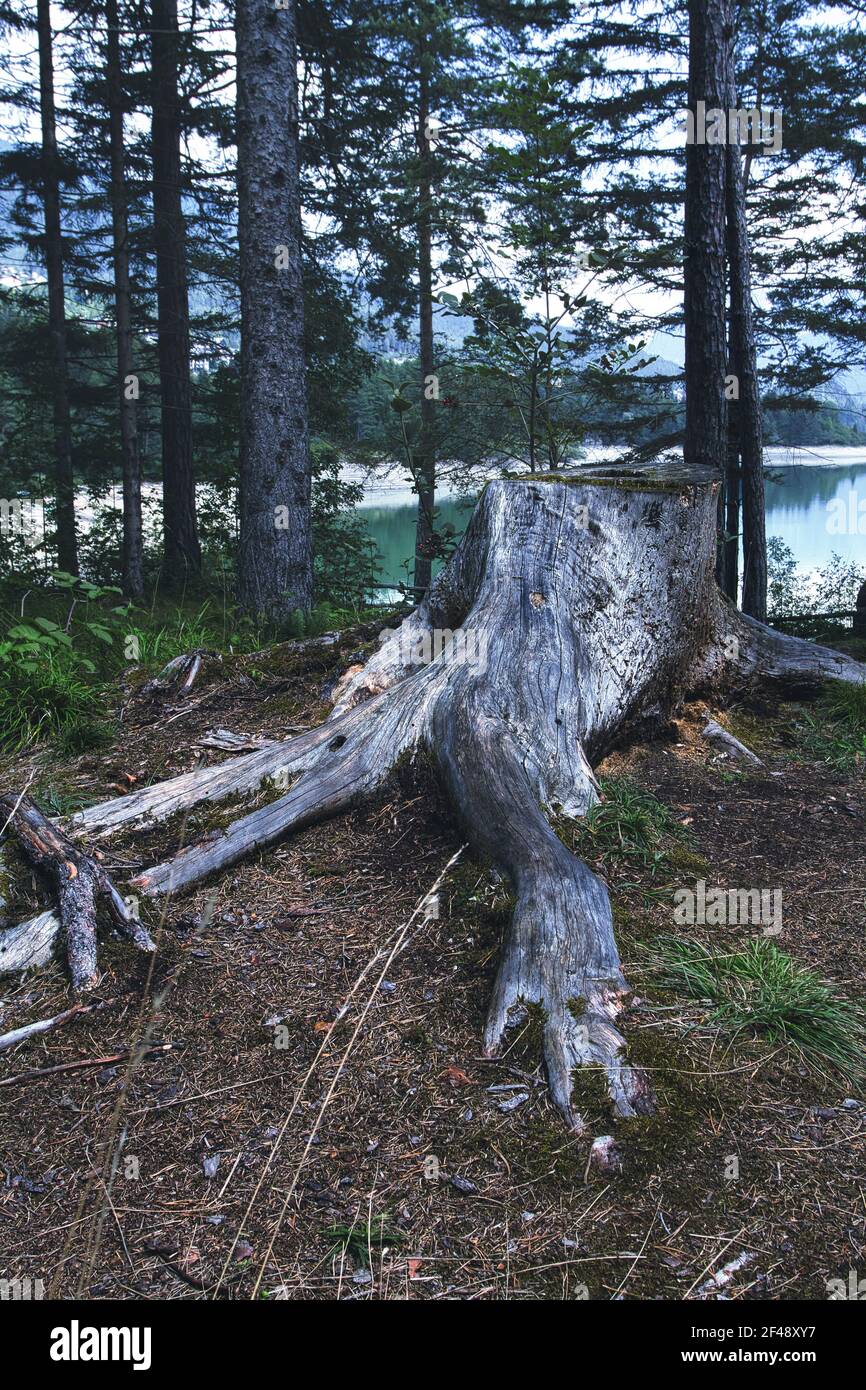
(761,990)
(629,825)
(50,700)
(359,1239)
(835,732)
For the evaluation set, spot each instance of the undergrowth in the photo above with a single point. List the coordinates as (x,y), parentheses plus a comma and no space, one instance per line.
(762,991)
(630,826)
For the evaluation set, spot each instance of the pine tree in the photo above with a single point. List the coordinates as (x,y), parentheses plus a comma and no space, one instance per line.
(127,381)
(182,554)
(67,550)
(275,561)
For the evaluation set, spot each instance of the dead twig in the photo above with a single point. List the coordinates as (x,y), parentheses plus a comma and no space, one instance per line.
(23,1076)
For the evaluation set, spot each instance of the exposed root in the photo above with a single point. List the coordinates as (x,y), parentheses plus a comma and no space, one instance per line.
(727,744)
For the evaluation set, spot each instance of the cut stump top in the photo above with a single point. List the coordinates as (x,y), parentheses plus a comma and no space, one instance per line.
(658,475)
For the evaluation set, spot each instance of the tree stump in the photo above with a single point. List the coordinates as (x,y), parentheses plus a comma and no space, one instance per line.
(577,607)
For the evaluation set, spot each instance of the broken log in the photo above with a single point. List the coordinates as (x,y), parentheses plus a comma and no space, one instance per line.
(78,881)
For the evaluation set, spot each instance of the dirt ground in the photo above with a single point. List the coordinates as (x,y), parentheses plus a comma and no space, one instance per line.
(291,1133)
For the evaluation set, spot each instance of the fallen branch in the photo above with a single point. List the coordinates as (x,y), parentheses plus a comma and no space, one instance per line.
(45,1025)
(78,880)
(178,676)
(716,1283)
(728,744)
(24,1076)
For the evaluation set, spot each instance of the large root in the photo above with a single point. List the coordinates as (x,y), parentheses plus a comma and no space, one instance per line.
(582,606)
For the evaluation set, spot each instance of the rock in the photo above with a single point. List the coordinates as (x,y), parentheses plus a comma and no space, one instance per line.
(850,1104)
(464,1185)
(605,1154)
(210,1165)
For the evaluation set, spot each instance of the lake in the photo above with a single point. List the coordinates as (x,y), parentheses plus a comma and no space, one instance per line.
(812,504)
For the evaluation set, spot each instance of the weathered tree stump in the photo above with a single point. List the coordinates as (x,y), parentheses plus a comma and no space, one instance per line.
(585,607)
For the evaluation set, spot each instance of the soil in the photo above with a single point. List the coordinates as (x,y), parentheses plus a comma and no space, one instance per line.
(288,1145)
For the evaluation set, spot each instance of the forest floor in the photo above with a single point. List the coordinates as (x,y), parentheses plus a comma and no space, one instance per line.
(431,1172)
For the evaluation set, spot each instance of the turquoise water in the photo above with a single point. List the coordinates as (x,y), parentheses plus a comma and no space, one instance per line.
(797,511)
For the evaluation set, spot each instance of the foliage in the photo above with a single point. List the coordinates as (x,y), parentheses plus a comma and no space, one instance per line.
(832,588)
(629,825)
(345,558)
(759,989)
(359,1239)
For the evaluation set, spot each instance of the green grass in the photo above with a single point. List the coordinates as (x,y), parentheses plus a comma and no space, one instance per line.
(835,731)
(55,801)
(761,991)
(63,644)
(360,1239)
(629,826)
(55,700)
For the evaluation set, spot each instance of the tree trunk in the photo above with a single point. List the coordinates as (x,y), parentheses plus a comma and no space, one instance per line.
(182,558)
(744,363)
(133,546)
(275,562)
(64,486)
(727,567)
(705,438)
(579,608)
(426,473)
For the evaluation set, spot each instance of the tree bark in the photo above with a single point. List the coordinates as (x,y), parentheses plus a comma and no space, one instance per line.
(744,362)
(727,569)
(64,485)
(579,607)
(426,472)
(704,269)
(275,561)
(133,544)
(78,881)
(182,555)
